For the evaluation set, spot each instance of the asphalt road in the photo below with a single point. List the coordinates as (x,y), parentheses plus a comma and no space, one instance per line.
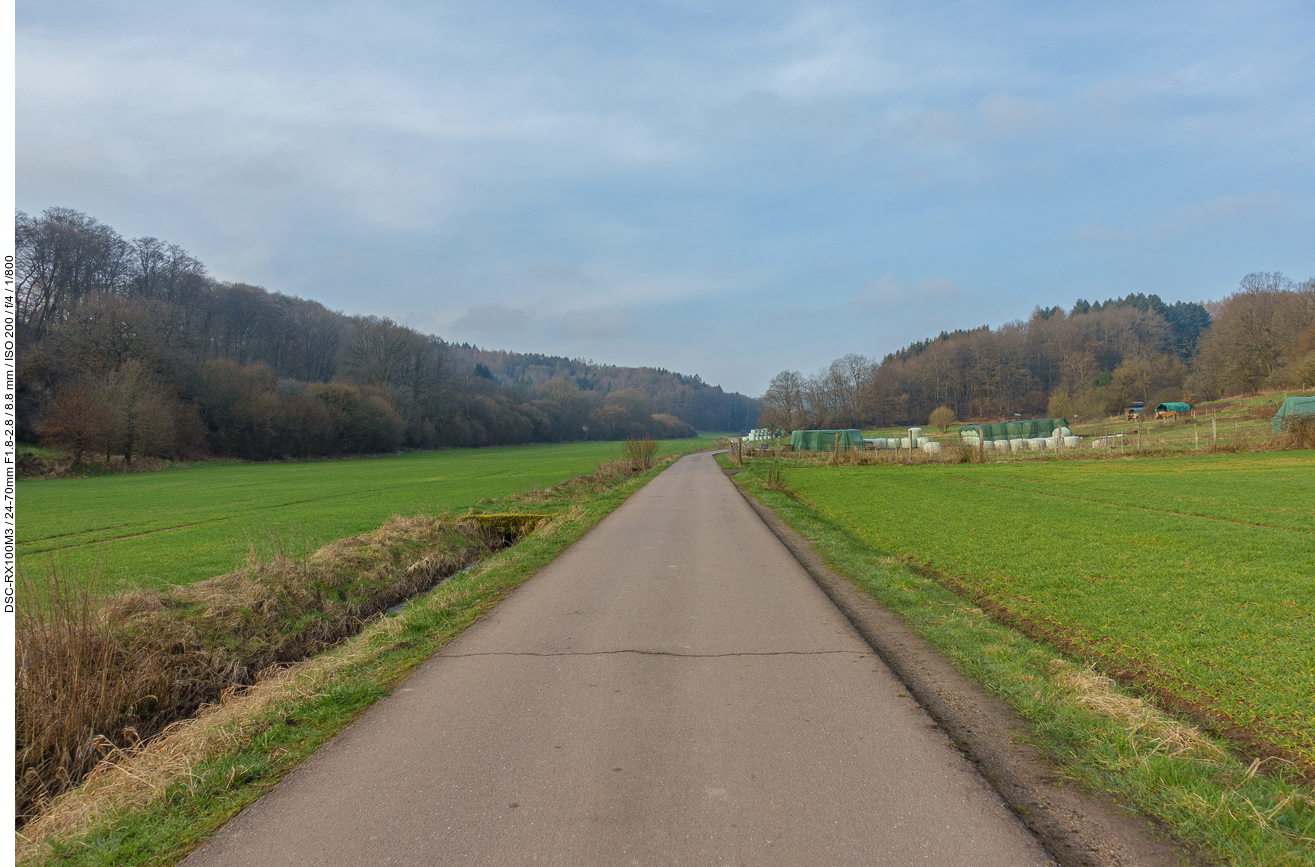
(675,689)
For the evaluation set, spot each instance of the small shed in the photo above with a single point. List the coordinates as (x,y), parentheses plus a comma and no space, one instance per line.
(825,440)
(1172,409)
(1290,407)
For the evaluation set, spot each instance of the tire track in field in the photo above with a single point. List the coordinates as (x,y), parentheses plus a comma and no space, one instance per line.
(117,538)
(69,533)
(360,494)
(1130,506)
(155,530)
(1194,500)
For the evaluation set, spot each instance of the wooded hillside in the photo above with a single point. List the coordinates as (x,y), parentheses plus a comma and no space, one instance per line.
(1079,364)
(129,347)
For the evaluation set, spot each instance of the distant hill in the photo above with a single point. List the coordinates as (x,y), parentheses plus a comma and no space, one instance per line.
(129,348)
(688,398)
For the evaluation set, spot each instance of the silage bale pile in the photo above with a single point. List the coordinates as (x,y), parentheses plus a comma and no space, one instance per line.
(1037,435)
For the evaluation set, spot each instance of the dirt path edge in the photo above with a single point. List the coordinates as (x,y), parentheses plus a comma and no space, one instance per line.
(1077,828)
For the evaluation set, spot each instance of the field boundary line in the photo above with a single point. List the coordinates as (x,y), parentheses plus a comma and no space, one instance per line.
(1074,826)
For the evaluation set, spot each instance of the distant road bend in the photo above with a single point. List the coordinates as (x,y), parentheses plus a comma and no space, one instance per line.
(674,689)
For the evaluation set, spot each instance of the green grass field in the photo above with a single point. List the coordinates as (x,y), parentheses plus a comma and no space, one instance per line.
(1195,574)
(182,525)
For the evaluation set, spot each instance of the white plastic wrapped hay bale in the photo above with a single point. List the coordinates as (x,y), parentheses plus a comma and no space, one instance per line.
(904,442)
(1102,442)
(1035,444)
(879,443)
(914,433)
(930,447)
(1016,445)
(1064,432)
(1071,442)
(922,441)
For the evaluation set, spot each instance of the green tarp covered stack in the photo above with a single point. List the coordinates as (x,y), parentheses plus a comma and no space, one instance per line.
(1290,407)
(1014,430)
(825,440)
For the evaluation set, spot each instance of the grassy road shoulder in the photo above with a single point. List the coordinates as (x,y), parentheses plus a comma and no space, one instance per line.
(155,805)
(1227,809)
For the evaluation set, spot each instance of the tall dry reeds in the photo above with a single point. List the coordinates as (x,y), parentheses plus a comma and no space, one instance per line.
(82,687)
(98,673)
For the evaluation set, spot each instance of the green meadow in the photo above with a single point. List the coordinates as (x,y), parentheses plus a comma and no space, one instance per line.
(182,525)
(1195,576)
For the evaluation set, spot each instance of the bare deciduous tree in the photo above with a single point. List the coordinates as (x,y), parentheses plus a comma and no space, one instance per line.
(783,404)
(60,257)
(143,414)
(79,420)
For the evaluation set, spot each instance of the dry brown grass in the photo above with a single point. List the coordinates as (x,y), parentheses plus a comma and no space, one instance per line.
(132,777)
(639,453)
(605,477)
(80,689)
(96,675)
(1299,432)
(1094,691)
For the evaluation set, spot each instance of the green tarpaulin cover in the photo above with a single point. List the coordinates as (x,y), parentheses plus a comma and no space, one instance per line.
(1015,430)
(1291,406)
(1173,406)
(825,440)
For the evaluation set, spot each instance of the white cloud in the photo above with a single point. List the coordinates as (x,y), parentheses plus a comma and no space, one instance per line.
(558,176)
(1220,211)
(491,321)
(1234,207)
(1007,115)
(888,292)
(606,324)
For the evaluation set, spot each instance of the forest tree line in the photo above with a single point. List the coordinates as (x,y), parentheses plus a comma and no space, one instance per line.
(1081,364)
(130,348)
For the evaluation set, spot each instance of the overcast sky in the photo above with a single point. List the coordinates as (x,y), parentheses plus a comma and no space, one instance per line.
(727,188)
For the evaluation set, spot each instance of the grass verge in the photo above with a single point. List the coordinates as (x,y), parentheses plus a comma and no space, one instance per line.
(1231,810)
(154,804)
